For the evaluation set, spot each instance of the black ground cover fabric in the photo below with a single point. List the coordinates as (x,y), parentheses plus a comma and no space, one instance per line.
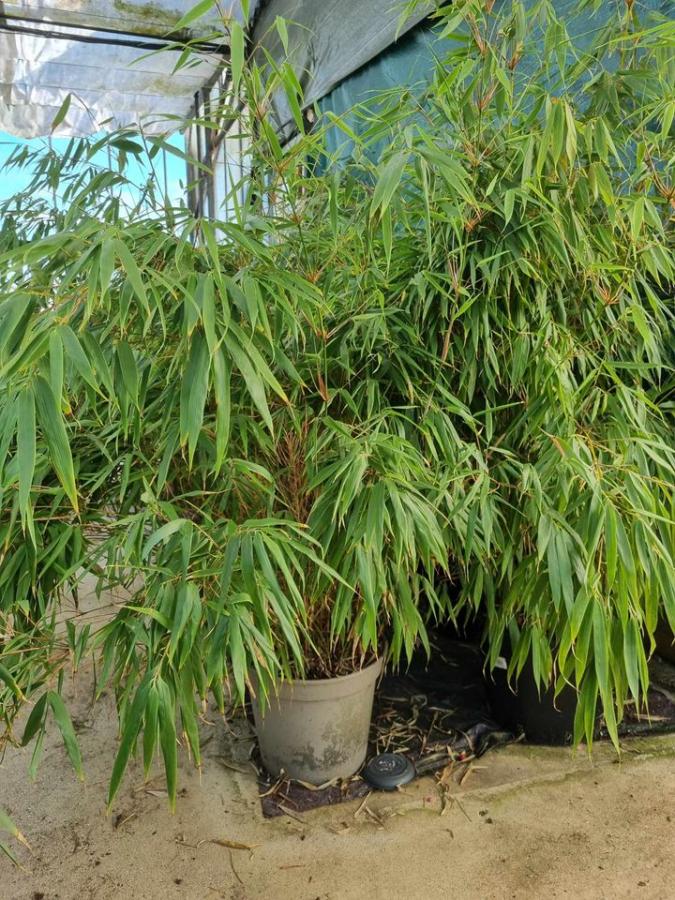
(438,712)
(435,713)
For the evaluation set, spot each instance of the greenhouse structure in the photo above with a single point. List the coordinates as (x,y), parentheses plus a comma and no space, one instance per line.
(337,458)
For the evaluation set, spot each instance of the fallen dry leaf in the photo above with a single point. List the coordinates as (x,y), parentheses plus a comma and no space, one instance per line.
(232,845)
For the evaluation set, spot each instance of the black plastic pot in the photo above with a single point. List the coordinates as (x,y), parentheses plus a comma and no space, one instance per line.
(665,641)
(543,720)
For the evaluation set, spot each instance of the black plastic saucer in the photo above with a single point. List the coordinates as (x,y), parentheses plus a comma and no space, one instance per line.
(387,771)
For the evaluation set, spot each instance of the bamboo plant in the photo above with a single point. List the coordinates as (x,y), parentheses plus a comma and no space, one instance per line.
(433,385)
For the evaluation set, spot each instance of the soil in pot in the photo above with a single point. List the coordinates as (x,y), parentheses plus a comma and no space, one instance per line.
(317,731)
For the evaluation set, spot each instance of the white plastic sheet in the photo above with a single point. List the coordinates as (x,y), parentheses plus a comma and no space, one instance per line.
(49,50)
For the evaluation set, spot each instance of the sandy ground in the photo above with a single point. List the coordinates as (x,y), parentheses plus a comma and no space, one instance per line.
(525,822)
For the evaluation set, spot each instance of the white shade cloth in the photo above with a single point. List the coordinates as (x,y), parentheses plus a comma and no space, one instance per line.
(85,48)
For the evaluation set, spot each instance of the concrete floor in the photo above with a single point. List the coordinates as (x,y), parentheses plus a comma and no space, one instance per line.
(525,822)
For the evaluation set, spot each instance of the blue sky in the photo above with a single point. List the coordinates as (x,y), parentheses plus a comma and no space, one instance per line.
(13,181)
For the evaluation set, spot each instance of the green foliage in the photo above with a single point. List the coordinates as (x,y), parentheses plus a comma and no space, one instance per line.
(7,826)
(435,385)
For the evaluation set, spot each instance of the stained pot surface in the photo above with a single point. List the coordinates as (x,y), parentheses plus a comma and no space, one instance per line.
(316,731)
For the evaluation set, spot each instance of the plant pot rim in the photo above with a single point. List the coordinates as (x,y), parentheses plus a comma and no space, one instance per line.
(341,678)
(317,690)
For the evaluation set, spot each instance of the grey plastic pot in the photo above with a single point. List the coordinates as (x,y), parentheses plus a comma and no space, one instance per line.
(316,731)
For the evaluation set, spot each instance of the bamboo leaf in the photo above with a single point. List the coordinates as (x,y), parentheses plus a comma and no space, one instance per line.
(565,574)
(632,647)
(132,726)
(209,313)
(282,31)
(77,356)
(221,387)
(625,551)
(196,12)
(237,656)
(62,112)
(106,265)
(167,737)
(150,729)
(56,364)
(133,272)
(193,393)
(161,534)
(637,214)
(601,656)
(388,182)
(236,53)
(26,450)
(509,202)
(8,826)
(611,543)
(62,719)
(10,681)
(253,381)
(54,429)
(186,697)
(128,369)
(35,720)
